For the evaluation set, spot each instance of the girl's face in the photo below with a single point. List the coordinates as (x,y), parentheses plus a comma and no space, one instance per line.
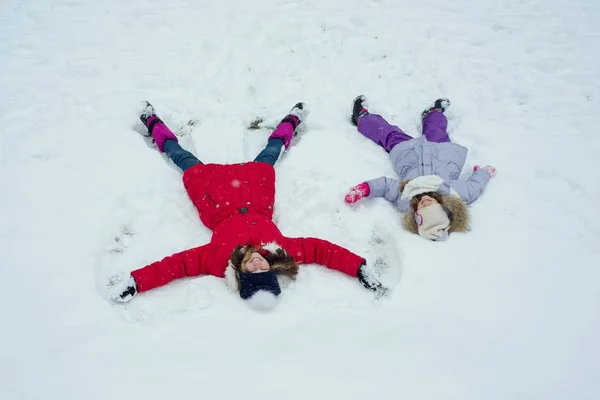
(256,263)
(426,201)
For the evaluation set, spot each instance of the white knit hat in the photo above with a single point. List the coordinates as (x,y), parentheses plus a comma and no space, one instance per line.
(433,222)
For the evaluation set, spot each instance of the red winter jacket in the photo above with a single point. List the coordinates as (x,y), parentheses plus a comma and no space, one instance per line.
(236,202)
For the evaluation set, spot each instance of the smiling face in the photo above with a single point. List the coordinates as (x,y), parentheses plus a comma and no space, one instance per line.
(426,201)
(255,264)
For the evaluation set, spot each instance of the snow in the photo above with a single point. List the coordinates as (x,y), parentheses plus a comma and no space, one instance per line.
(262,301)
(508,311)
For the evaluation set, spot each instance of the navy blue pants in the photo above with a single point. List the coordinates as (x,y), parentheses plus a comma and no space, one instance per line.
(184,159)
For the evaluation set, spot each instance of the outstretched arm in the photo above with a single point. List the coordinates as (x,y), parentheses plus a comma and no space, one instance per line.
(187,263)
(388,188)
(319,251)
(471,189)
(190,262)
(333,256)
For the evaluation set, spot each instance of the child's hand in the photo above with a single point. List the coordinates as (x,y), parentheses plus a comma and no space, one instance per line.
(371,282)
(357,192)
(491,171)
(122,289)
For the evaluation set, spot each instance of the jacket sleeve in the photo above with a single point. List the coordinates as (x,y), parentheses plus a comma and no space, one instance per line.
(471,189)
(322,252)
(191,262)
(389,188)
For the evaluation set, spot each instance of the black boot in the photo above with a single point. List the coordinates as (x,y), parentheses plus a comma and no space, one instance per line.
(440,104)
(297,114)
(147,110)
(359,108)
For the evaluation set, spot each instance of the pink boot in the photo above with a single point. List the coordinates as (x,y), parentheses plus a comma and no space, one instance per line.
(286,129)
(159,131)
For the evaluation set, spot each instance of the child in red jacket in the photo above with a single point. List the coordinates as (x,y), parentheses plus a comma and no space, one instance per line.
(236,202)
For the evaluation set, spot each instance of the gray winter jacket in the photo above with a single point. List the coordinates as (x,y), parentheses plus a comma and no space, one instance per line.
(418,157)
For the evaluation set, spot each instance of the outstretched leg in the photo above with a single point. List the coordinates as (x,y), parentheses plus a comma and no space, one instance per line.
(165,140)
(435,123)
(375,127)
(270,154)
(283,134)
(181,157)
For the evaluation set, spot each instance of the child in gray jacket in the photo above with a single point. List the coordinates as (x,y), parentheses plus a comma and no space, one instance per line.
(429,192)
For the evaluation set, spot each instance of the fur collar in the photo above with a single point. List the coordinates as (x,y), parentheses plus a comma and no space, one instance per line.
(461,218)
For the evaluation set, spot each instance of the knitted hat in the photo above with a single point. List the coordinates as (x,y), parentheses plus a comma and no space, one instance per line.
(433,222)
(260,290)
(250,283)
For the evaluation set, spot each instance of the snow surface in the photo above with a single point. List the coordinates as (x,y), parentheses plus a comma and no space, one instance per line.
(507,311)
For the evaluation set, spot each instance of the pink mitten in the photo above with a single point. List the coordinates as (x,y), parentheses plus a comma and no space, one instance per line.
(491,171)
(357,192)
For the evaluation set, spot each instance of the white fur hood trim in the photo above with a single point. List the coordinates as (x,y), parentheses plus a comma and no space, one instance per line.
(230,280)
(424,184)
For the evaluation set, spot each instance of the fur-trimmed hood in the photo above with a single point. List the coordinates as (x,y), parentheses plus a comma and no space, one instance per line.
(450,200)
(461,217)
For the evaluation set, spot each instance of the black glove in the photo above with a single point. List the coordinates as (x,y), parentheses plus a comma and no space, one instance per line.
(370,282)
(122,290)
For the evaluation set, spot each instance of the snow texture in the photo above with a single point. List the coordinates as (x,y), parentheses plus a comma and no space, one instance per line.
(262,301)
(509,310)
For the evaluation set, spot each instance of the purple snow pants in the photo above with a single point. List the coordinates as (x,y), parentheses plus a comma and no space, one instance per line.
(376,128)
